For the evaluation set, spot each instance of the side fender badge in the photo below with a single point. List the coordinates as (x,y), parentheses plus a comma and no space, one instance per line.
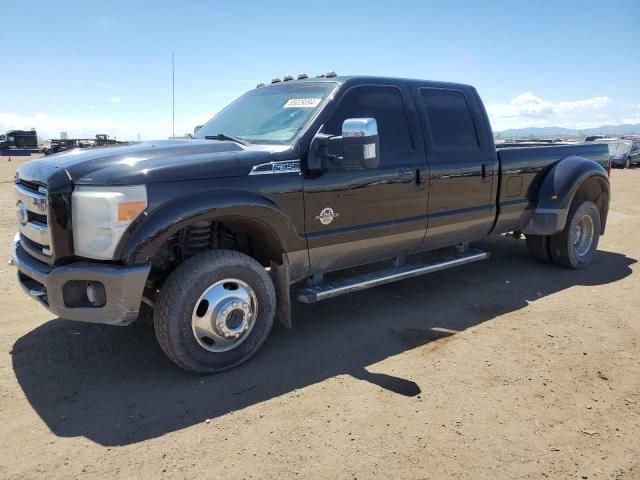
(327,215)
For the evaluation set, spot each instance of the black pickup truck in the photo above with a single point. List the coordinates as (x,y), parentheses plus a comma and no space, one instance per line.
(307,189)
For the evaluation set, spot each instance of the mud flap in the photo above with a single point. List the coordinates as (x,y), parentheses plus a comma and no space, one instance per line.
(280,277)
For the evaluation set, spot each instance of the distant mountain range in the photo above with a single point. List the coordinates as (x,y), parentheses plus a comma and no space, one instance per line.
(626,129)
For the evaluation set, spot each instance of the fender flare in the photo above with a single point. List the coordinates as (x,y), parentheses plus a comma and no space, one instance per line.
(148,233)
(558,189)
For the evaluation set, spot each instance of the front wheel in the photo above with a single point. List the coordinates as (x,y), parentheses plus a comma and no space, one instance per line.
(627,164)
(214,311)
(576,245)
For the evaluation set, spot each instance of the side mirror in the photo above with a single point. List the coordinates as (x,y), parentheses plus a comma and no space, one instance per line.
(357,148)
(361,142)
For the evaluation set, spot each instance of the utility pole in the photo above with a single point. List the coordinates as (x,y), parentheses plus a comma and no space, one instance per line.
(173,96)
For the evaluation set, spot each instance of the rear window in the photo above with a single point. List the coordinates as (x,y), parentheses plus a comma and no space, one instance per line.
(450,121)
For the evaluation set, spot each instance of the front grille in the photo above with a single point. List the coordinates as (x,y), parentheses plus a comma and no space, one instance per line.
(32,208)
(33,186)
(36,217)
(32,246)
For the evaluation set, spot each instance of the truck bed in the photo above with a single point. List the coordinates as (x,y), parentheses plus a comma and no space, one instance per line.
(523,168)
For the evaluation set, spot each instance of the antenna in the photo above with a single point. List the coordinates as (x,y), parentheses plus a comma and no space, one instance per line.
(173,96)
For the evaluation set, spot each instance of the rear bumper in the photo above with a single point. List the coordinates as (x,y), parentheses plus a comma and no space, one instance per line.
(62,290)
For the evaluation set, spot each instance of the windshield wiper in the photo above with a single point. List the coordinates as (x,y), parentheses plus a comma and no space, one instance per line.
(224,136)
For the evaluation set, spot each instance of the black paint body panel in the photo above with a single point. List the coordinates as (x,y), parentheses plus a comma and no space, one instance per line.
(173,205)
(531,166)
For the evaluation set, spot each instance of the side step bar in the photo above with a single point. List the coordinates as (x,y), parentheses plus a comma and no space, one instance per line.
(362,282)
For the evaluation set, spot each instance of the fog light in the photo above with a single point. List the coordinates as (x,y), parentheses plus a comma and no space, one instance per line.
(96,294)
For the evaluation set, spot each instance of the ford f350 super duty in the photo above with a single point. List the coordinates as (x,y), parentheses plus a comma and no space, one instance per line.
(284,194)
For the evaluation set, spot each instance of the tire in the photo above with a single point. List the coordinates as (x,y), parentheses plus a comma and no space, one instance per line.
(221,276)
(571,247)
(627,164)
(538,246)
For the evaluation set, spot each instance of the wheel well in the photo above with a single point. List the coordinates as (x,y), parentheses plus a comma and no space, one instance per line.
(595,189)
(262,243)
(247,235)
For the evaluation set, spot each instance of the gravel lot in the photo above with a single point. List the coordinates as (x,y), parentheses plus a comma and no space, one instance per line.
(500,369)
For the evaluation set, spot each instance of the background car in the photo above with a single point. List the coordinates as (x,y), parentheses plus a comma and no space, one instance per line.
(598,138)
(624,153)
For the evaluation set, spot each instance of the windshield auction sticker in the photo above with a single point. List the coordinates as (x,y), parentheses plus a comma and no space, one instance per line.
(302,103)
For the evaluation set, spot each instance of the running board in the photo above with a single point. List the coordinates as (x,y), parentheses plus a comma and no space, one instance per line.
(362,282)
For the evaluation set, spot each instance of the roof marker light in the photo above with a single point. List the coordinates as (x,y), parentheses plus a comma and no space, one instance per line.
(275,80)
(260,85)
(331,74)
(302,76)
(286,78)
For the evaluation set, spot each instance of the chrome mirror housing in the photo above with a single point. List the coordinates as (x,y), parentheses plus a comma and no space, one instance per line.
(359,127)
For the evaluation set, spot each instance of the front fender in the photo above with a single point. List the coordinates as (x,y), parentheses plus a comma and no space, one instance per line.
(147,234)
(558,190)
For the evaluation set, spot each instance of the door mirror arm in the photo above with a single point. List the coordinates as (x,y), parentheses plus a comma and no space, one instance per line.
(318,157)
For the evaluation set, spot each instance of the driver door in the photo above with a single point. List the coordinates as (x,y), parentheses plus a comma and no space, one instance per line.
(353,217)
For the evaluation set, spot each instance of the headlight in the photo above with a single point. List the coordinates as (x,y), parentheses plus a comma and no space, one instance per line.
(100,215)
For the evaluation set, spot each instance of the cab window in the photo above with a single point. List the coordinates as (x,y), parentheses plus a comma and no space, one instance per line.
(451,125)
(386,105)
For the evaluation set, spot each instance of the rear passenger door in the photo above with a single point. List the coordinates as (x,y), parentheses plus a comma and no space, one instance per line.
(463,167)
(354,217)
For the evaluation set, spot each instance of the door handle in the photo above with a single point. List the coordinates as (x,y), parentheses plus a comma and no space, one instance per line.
(486,175)
(405,172)
(417,174)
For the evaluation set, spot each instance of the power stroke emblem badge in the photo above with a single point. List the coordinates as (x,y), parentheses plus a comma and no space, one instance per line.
(327,215)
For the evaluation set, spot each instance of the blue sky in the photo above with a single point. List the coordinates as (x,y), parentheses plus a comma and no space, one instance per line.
(90,66)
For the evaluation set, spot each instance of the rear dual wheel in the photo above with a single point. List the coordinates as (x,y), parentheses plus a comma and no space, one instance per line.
(214,311)
(576,245)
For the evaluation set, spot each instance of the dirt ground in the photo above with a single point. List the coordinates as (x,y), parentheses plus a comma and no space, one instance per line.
(501,369)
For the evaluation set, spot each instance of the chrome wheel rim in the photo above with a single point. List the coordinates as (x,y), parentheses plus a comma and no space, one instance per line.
(224,315)
(583,235)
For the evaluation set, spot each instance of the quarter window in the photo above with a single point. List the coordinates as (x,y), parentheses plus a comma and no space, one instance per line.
(386,105)
(450,122)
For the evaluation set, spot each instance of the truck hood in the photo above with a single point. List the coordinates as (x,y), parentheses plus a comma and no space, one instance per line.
(159,161)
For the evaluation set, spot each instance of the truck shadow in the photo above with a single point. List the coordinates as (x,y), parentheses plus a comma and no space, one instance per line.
(114,385)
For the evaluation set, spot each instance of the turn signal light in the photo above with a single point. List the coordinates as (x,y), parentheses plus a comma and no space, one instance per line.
(127,211)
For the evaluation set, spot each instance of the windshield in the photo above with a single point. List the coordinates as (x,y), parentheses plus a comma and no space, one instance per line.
(618,148)
(269,114)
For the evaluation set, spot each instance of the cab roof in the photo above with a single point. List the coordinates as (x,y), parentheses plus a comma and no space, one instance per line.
(368,79)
